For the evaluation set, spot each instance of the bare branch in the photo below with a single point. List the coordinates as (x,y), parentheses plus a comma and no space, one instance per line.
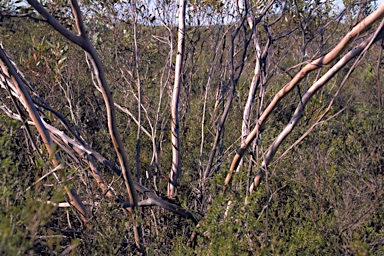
(326,59)
(57,25)
(9,73)
(362,47)
(84,42)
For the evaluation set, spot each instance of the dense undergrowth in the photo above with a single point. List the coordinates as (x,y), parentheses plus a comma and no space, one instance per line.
(324,197)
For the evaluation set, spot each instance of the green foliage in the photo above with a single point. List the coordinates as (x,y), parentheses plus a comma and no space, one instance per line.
(325,197)
(23,209)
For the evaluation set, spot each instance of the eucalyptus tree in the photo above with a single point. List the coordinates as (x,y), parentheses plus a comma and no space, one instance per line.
(189,80)
(312,65)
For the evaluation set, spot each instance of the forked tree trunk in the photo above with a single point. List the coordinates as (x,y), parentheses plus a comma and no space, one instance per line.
(316,64)
(298,114)
(8,72)
(245,127)
(83,41)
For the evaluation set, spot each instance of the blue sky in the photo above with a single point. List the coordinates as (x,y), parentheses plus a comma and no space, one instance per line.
(340,2)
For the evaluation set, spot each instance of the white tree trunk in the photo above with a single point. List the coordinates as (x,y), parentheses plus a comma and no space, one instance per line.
(245,128)
(175,170)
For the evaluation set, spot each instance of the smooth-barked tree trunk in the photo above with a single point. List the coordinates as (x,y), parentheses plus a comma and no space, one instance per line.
(175,134)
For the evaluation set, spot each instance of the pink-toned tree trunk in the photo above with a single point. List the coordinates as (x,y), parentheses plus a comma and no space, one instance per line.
(84,42)
(316,64)
(13,77)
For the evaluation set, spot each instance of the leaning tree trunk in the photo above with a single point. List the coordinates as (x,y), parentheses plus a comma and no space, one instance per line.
(83,41)
(298,114)
(314,65)
(9,75)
